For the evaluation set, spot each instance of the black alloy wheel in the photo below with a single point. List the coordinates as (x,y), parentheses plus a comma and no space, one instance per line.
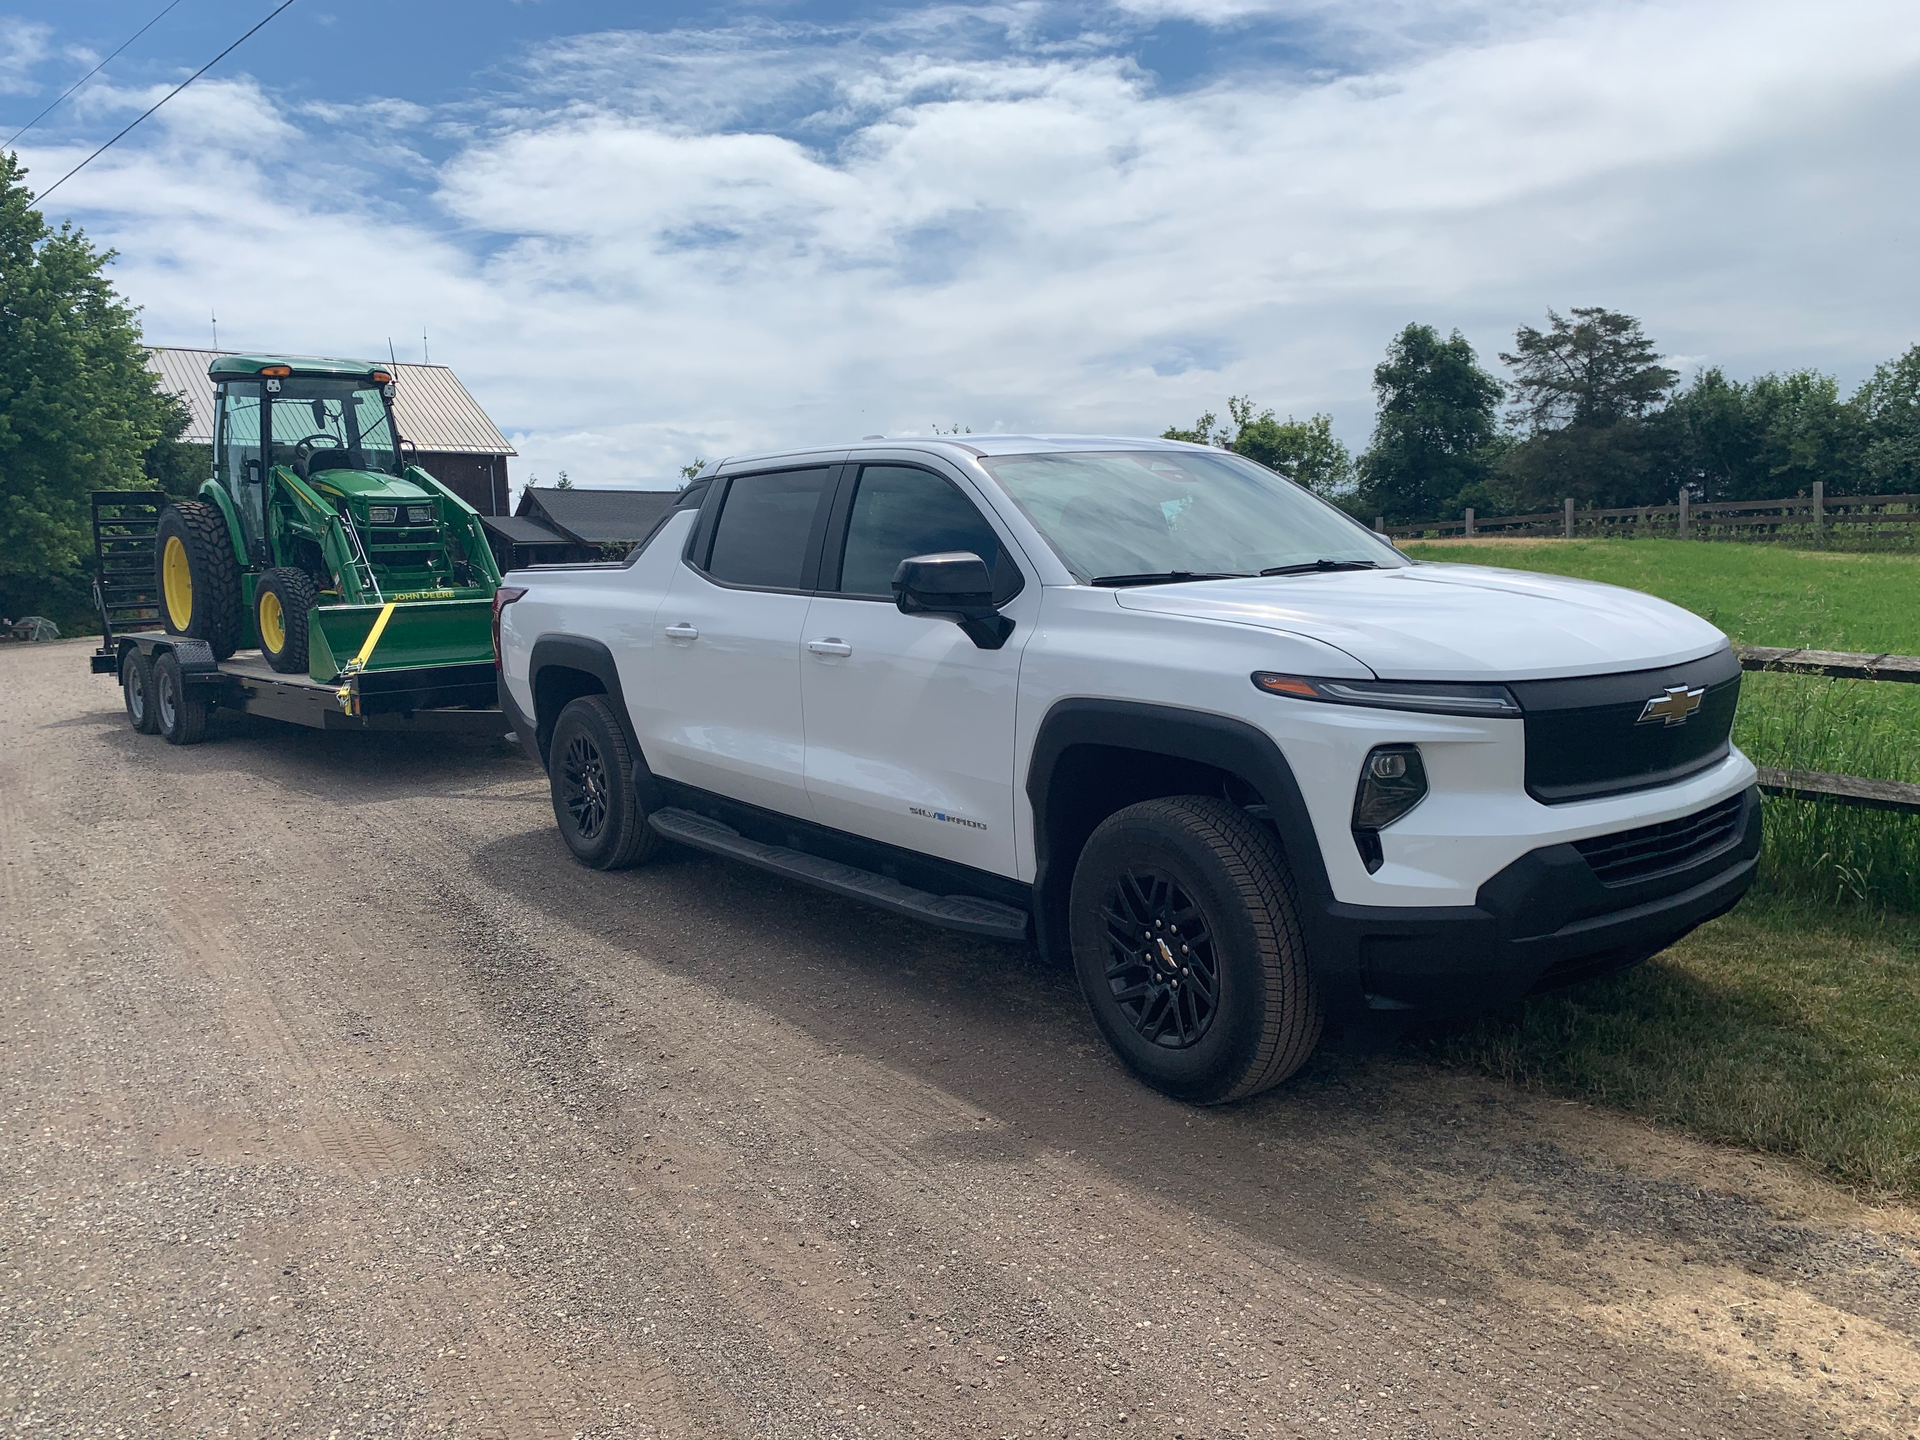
(1187,944)
(590,772)
(1161,966)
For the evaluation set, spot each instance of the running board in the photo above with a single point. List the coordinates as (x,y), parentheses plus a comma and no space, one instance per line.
(955,912)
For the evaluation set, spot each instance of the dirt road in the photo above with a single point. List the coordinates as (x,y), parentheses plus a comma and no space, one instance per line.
(336,1100)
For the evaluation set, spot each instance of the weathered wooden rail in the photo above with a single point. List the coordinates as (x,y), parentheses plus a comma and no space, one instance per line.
(1840,665)
(1811,516)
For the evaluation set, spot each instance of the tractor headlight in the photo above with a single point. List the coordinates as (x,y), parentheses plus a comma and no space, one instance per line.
(382,515)
(419,514)
(1392,782)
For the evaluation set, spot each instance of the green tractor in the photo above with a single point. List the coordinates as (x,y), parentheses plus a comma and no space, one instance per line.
(315,540)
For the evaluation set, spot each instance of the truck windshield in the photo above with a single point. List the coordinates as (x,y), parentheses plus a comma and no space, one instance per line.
(324,424)
(1135,516)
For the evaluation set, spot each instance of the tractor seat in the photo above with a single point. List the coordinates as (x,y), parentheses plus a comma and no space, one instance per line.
(336,460)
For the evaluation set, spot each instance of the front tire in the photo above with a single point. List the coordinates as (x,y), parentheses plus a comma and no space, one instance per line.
(590,773)
(281,601)
(136,689)
(198,576)
(1187,943)
(182,714)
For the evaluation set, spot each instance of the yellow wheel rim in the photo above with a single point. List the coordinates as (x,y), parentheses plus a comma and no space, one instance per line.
(176,579)
(273,623)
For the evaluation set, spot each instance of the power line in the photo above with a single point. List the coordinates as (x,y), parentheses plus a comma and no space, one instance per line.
(157,104)
(86,77)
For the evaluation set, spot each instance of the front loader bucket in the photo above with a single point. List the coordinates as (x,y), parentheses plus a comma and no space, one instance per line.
(406,635)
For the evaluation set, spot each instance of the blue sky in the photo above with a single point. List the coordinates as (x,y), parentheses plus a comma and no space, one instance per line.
(646,232)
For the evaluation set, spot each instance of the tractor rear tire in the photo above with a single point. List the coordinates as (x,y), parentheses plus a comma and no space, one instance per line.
(198,576)
(281,601)
(136,688)
(182,713)
(590,771)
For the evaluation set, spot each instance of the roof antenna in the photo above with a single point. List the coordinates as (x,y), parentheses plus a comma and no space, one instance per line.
(216,328)
(425,359)
(390,354)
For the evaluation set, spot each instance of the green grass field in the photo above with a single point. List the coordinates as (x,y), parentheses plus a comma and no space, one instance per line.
(1793,1024)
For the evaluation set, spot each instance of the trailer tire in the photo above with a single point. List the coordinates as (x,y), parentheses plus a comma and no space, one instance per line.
(182,714)
(590,772)
(136,689)
(198,576)
(281,601)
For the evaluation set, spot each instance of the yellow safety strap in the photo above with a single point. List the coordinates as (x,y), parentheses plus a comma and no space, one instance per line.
(359,661)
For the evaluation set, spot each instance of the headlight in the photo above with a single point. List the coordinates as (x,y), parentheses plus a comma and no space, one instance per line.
(1392,782)
(382,515)
(419,514)
(1435,698)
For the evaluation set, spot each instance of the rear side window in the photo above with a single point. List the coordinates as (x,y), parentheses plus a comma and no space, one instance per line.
(899,511)
(768,527)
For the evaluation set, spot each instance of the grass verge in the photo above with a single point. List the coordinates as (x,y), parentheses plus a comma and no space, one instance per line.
(1785,1026)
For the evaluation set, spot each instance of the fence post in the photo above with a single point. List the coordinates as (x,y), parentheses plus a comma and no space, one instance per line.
(1379,524)
(1683,514)
(1569,517)
(1469,520)
(1819,506)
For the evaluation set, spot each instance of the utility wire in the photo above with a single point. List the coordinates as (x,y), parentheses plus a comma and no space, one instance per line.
(86,77)
(157,104)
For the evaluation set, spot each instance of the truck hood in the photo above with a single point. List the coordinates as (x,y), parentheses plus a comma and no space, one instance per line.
(1454,622)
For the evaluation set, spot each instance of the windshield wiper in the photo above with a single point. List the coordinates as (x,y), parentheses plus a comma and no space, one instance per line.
(1167,577)
(1311,567)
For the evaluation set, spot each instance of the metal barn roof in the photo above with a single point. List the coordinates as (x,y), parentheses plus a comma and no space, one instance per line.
(432,407)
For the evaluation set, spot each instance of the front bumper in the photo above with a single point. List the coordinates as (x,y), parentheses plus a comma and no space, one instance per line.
(1542,922)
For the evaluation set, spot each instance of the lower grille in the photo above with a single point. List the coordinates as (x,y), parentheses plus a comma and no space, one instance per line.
(1653,850)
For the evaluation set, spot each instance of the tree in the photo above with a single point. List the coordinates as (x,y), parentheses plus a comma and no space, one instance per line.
(79,411)
(1305,451)
(1434,434)
(1774,435)
(1587,394)
(1888,407)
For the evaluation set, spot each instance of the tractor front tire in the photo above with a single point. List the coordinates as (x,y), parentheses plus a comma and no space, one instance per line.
(590,771)
(198,576)
(181,712)
(281,601)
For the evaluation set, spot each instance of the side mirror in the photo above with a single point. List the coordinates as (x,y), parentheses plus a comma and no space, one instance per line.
(956,586)
(252,472)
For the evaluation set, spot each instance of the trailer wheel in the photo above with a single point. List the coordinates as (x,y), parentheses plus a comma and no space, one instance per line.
(136,688)
(590,771)
(198,576)
(280,604)
(182,715)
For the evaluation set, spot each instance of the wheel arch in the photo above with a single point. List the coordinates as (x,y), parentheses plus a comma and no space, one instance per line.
(215,494)
(561,670)
(1093,757)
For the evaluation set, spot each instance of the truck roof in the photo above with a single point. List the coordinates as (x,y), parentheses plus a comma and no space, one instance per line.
(974,445)
(227,366)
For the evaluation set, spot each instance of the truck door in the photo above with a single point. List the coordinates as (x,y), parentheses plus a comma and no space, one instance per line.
(726,642)
(909,725)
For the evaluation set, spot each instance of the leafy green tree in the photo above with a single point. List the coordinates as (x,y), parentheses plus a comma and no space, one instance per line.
(1888,407)
(79,411)
(1587,396)
(1774,435)
(1434,434)
(1305,451)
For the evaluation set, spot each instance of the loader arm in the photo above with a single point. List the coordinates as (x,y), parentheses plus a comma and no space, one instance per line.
(461,523)
(312,518)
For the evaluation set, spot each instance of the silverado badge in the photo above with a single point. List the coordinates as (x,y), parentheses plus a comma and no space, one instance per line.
(1673,707)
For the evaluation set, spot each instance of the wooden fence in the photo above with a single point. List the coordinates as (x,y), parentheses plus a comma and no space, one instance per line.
(1836,664)
(1802,516)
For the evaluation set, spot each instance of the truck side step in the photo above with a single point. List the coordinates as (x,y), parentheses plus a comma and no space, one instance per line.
(955,912)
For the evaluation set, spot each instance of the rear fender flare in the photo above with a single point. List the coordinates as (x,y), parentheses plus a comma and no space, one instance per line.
(590,658)
(216,494)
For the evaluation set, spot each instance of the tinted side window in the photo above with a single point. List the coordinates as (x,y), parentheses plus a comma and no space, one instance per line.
(899,511)
(767,527)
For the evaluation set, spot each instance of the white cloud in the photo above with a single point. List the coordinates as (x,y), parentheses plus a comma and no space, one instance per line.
(708,242)
(23,44)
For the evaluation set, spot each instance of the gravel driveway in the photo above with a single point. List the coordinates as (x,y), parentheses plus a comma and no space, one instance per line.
(336,1100)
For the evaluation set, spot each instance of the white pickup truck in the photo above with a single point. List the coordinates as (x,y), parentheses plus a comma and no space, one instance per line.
(1156,709)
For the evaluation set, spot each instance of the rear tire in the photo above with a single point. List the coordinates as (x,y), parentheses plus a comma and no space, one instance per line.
(1188,947)
(182,714)
(590,773)
(136,689)
(197,576)
(281,601)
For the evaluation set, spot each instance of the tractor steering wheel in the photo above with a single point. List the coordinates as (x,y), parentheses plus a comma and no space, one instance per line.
(303,449)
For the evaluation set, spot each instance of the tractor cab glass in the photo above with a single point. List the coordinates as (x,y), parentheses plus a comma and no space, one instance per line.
(332,424)
(236,453)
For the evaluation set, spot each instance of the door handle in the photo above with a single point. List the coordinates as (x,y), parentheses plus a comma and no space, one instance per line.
(830,646)
(682,631)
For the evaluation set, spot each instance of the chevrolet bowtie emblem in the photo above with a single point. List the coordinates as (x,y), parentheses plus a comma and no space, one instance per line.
(1672,708)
